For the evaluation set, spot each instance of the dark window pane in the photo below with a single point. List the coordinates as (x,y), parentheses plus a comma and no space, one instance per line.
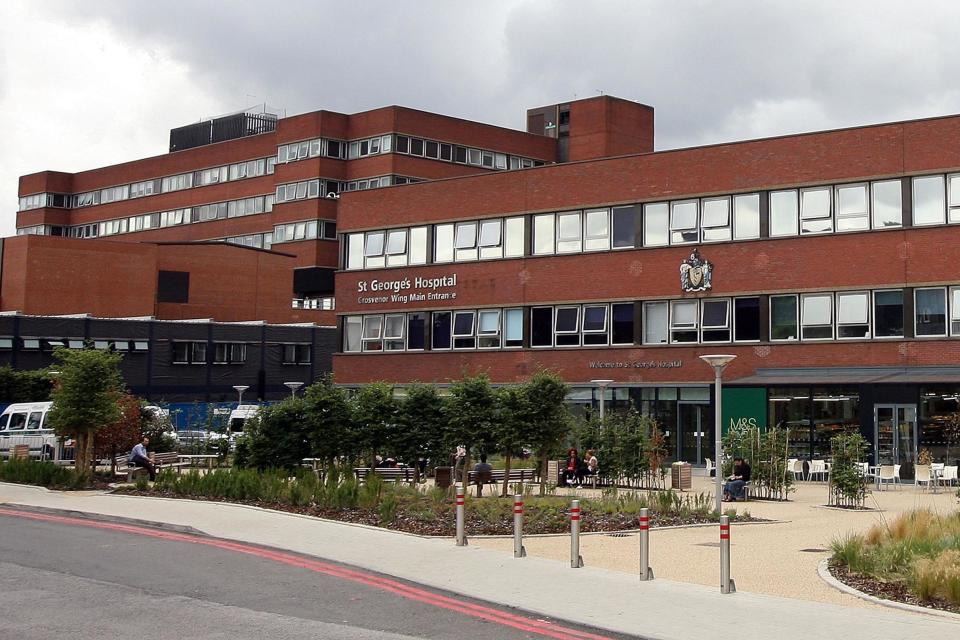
(594,318)
(622,324)
(567,319)
(623,227)
(931,312)
(416,147)
(746,318)
(432,149)
(463,324)
(446,152)
(783,314)
(403,144)
(441,330)
(416,330)
(461,154)
(888,314)
(541,327)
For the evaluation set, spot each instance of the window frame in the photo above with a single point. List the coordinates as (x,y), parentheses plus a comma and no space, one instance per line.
(916,313)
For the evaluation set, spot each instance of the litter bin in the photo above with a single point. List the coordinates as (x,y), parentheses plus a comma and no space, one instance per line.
(443,477)
(681,475)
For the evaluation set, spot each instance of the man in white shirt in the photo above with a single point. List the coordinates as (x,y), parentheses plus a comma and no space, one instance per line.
(140,458)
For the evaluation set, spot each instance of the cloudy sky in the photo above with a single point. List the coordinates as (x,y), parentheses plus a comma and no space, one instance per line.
(89,83)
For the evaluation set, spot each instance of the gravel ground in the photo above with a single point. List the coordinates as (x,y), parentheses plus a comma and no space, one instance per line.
(778,558)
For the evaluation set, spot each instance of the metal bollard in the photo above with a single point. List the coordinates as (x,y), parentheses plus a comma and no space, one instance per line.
(461,534)
(727,585)
(576,560)
(518,549)
(646,573)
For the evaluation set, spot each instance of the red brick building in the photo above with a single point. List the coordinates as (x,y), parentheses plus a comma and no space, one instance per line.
(823,261)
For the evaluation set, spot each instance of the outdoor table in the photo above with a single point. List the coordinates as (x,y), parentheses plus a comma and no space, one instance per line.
(209,457)
(316,463)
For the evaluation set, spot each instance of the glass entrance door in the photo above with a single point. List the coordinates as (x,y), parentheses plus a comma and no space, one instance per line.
(895,436)
(694,432)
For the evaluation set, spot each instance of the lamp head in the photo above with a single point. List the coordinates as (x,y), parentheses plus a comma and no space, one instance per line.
(719,361)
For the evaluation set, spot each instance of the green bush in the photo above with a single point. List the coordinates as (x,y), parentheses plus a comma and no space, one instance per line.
(40,473)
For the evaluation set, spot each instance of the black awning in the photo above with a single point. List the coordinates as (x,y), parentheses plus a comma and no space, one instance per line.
(851,375)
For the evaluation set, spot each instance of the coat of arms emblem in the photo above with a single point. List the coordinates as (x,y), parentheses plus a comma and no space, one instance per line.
(696,273)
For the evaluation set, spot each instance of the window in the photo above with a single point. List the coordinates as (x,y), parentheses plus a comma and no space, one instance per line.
(213,176)
(746,216)
(954,311)
(655,323)
(229,353)
(396,247)
(783,317)
(953,195)
(888,314)
(928,204)
(514,237)
(624,230)
(513,328)
(463,330)
(595,325)
(852,211)
(141,189)
(596,230)
(373,249)
(441,330)
(656,225)
(683,222)
(716,219)
(567,326)
(416,331)
(783,213)
(488,328)
(930,312)
(443,243)
(465,241)
(418,246)
(815,210)
(188,352)
(683,321)
(393,326)
(352,332)
(373,333)
(569,233)
(355,250)
(543,234)
(887,204)
(541,327)
(176,183)
(853,315)
(490,241)
(622,324)
(746,319)
(816,317)
(301,353)
(715,320)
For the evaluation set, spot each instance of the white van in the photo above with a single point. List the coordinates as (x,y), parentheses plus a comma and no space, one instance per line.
(240,415)
(26,423)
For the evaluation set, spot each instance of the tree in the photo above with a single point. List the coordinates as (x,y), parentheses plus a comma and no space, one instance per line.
(513,427)
(279,436)
(376,419)
(24,386)
(121,435)
(85,398)
(328,415)
(549,417)
(421,433)
(471,415)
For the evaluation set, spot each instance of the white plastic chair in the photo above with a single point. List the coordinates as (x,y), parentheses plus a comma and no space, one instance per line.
(863,468)
(922,475)
(950,474)
(886,474)
(896,474)
(817,467)
(797,469)
(709,467)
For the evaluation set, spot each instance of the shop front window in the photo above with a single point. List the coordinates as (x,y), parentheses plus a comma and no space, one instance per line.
(939,405)
(790,409)
(835,412)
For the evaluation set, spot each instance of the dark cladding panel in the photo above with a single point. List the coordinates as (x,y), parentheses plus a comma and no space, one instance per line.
(51,327)
(173,286)
(180,330)
(110,329)
(313,281)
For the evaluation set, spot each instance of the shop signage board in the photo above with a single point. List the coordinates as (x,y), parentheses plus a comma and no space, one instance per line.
(744,407)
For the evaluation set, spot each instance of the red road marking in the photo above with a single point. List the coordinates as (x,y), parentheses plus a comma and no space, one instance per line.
(386,584)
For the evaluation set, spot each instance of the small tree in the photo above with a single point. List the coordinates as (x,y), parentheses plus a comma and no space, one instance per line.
(279,437)
(421,420)
(847,484)
(24,386)
(328,414)
(512,428)
(121,435)
(85,398)
(549,418)
(471,415)
(375,418)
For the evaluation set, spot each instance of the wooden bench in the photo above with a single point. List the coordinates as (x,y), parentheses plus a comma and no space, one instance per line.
(480,478)
(167,460)
(387,474)
(20,452)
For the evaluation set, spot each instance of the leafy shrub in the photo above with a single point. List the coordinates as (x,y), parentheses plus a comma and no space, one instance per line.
(40,473)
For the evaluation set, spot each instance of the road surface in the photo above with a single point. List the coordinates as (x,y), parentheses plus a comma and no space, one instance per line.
(73,576)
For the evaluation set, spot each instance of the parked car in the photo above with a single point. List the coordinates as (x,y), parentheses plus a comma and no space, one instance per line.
(25,423)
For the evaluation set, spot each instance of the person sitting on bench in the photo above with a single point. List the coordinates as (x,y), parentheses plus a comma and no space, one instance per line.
(733,489)
(482,472)
(140,458)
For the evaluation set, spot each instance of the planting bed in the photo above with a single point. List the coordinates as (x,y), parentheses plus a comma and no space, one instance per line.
(888,590)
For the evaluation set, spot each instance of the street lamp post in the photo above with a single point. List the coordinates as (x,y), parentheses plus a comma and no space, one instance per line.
(602,384)
(719,363)
(240,388)
(293,386)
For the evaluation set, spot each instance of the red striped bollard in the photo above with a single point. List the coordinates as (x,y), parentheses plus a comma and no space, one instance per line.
(461,534)
(518,550)
(727,584)
(576,560)
(646,573)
